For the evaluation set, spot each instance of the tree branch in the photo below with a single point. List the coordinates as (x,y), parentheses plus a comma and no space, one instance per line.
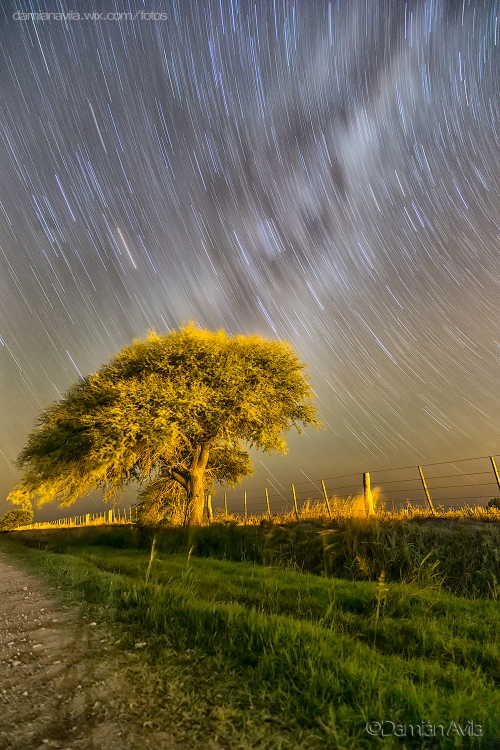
(204,455)
(179,477)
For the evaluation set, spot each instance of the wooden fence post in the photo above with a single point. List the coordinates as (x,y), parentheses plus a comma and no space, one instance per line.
(295,506)
(426,490)
(326,499)
(367,492)
(110,516)
(497,475)
(209,509)
(268,503)
(225,504)
(245,508)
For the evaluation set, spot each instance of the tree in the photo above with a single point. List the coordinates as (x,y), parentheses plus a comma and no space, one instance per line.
(13,519)
(175,412)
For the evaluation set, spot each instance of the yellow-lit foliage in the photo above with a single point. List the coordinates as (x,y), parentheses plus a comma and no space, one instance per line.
(352,507)
(180,408)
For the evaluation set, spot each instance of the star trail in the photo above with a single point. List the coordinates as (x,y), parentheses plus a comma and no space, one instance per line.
(322,172)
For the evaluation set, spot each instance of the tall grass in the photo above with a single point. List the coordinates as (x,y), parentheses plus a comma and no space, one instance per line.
(459,553)
(305,644)
(353,507)
(410,620)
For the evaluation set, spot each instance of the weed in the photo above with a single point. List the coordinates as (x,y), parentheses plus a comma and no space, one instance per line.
(425,574)
(494,588)
(186,576)
(381,599)
(151,557)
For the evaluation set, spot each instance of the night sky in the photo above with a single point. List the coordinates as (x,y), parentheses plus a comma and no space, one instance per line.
(322,172)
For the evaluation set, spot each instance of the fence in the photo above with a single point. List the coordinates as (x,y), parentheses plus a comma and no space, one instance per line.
(111,516)
(429,486)
(437,486)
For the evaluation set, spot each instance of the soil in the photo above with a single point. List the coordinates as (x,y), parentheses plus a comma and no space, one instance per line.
(63,684)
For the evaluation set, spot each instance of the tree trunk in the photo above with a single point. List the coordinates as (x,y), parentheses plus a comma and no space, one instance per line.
(195,498)
(196,486)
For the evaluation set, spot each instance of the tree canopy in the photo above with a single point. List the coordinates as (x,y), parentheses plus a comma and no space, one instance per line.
(175,412)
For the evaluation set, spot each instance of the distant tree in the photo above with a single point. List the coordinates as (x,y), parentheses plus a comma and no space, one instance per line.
(13,519)
(175,413)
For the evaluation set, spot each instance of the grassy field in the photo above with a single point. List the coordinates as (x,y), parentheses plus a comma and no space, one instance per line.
(461,552)
(295,660)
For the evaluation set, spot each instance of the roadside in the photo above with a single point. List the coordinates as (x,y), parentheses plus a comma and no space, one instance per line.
(63,684)
(73,677)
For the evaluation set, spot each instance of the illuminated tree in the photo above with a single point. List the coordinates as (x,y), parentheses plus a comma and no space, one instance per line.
(175,413)
(13,519)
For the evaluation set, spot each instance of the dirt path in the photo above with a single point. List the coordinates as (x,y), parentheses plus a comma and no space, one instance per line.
(62,682)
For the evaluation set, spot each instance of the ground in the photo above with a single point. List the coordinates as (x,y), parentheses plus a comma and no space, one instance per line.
(63,682)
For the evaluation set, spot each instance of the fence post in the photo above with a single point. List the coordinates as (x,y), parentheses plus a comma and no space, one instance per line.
(426,490)
(245,509)
(110,516)
(268,503)
(225,504)
(326,499)
(497,475)
(295,506)
(209,509)
(367,492)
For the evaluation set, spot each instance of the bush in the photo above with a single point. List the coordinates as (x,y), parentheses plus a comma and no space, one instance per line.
(494,503)
(15,518)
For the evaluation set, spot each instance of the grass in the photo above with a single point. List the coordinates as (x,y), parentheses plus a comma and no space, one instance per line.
(460,554)
(316,658)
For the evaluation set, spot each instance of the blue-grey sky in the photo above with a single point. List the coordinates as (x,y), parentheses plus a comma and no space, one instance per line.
(323,172)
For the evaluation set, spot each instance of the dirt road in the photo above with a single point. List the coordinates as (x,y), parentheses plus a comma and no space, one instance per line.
(63,684)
